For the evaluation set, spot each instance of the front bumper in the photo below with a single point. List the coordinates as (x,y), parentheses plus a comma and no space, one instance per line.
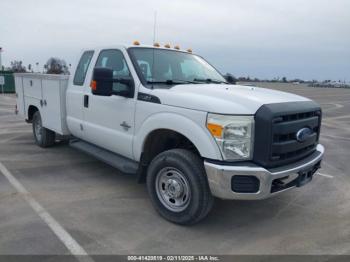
(269,182)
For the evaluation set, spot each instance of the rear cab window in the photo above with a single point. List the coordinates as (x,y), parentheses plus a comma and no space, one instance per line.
(84,62)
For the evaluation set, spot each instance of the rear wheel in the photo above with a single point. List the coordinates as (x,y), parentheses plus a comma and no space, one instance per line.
(178,187)
(43,137)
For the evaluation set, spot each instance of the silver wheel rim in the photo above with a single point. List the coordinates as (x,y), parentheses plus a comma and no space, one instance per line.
(38,129)
(173,189)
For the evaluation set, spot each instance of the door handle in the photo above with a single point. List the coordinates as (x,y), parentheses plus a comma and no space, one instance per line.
(125,125)
(86,101)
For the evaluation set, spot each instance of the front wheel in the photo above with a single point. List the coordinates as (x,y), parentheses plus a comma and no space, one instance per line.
(43,137)
(178,187)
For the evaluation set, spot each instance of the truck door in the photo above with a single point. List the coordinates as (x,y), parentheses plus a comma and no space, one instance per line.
(75,95)
(109,121)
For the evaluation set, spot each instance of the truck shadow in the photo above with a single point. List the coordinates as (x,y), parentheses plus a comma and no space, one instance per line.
(244,213)
(230,213)
(225,215)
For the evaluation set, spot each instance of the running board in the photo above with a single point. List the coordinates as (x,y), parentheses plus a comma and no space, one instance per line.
(122,163)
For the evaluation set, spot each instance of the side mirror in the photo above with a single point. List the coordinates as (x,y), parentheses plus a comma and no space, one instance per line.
(230,79)
(129,82)
(102,81)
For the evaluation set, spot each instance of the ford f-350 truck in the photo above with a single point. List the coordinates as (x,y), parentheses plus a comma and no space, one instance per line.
(172,119)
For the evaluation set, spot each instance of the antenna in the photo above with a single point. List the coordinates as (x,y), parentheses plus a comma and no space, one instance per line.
(154,27)
(154,40)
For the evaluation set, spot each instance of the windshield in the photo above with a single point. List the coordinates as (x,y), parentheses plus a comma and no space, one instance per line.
(157,66)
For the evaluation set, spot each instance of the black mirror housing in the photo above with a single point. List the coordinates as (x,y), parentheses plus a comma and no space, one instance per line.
(129,82)
(102,81)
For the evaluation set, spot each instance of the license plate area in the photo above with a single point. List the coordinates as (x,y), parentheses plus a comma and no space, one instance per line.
(300,179)
(305,176)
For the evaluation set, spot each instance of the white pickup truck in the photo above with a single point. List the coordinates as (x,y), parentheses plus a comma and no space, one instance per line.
(171,118)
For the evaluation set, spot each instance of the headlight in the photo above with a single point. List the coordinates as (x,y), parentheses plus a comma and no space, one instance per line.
(233,134)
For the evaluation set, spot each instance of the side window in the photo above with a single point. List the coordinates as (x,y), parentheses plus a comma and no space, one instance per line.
(82,68)
(114,59)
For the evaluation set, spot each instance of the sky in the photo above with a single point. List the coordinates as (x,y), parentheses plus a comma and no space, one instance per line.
(307,39)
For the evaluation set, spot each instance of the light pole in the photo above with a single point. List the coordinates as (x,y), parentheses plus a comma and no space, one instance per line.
(2,78)
(0,59)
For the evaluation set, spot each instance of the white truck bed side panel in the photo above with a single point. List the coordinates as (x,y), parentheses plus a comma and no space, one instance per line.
(20,96)
(48,94)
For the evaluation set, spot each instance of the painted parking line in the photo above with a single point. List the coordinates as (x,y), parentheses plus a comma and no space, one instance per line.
(325,175)
(335,106)
(336,137)
(4,141)
(71,244)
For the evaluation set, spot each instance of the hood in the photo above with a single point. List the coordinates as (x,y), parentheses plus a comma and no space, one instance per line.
(223,99)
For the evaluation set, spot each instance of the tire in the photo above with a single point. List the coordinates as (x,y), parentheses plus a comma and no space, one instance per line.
(178,187)
(43,137)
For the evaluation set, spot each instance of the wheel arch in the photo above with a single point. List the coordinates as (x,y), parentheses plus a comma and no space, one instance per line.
(166,131)
(30,113)
(198,135)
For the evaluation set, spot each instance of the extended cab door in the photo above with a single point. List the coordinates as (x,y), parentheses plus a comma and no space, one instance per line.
(109,120)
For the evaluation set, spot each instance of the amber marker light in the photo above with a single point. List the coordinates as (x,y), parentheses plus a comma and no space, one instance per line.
(177,47)
(93,85)
(167,46)
(156,45)
(136,43)
(215,130)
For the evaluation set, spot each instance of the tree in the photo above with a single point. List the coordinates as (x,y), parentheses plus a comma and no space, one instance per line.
(56,66)
(284,79)
(230,78)
(17,67)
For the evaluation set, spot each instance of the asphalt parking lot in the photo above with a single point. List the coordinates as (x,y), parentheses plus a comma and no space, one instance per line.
(106,212)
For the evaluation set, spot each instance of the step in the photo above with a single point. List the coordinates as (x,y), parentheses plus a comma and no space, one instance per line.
(123,164)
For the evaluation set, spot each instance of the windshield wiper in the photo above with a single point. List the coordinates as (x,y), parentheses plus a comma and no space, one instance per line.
(209,80)
(171,82)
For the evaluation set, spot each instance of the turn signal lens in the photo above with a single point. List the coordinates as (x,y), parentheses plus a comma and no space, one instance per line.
(215,130)
(93,85)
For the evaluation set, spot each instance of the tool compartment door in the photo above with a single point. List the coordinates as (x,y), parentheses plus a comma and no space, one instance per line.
(31,91)
(53,111)
(20,95)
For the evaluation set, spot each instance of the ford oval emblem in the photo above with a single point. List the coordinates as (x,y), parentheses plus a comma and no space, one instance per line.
(303,134)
